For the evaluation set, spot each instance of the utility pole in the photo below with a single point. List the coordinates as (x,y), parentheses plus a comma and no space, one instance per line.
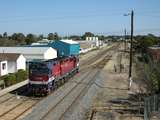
(125,40)
(131,45)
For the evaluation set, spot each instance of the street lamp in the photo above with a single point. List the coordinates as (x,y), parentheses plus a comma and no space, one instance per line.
(130,61)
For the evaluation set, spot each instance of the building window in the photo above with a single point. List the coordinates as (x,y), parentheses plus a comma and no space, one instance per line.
(3,66)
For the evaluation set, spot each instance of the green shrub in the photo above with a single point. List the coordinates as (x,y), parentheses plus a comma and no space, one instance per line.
(13,78)
(21,75)
(9,79)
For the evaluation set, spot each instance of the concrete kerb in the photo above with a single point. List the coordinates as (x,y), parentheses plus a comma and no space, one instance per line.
(13,87)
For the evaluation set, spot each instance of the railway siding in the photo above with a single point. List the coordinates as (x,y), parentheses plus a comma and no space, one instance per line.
(78,109)
(44,110)
(45,105)
(16,108)
(67,102)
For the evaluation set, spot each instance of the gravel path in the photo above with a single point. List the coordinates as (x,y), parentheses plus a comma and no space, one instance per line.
(112,101)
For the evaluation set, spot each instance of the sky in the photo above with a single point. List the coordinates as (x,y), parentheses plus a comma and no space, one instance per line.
(74,17)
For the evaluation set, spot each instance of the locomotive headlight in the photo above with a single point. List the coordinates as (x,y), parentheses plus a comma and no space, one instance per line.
(78,64)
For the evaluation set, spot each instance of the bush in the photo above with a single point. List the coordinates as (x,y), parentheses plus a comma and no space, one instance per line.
(9,79)
(21,75)
(13,78)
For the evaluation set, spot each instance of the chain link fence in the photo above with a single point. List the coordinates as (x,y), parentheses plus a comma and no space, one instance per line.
(152,75)
(151,104)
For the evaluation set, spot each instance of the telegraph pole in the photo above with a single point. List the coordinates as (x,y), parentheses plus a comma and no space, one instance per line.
(131,45)
(125,40)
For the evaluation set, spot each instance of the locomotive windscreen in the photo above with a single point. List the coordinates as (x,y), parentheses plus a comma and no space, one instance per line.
(38,68)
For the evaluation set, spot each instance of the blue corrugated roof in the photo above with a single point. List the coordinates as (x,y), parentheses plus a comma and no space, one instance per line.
(64,47)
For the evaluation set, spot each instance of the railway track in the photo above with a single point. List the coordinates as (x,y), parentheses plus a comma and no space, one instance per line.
(116,103)
(98,66)
(14,94)
(75,93)
(14,103)
(61,106)
(64,97)
(92,59)
(15,100)
(27,103)
(6,97)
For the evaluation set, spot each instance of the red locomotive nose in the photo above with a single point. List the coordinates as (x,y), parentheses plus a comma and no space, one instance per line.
(39,78)
(45,77)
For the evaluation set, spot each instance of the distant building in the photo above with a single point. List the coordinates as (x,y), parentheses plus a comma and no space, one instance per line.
(91,38)
(86,44)
(42,42)
(66,47)
(155,52)
(95,40)
(63,47)
(11,63)
(31,53)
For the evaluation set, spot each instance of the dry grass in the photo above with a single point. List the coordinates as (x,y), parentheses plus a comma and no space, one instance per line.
(113,102)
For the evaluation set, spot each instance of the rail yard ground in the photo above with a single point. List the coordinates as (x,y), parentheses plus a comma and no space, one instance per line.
(114,101)
(98,92)
(18,104)
(60,104)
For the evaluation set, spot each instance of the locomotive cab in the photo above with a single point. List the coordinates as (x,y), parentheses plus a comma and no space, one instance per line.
(40,77)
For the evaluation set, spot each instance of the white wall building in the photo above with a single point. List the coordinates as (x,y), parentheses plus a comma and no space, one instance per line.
(31,53)
(96,41)
(91,38)
(3,67)
(11,63)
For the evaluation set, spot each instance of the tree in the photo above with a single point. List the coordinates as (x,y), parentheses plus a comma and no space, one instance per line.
(19,38)
(30,38)
(50,36)
(87,34)
(1,36)
(5,35)
(101,37)
(40,37)
(75,37)
(56,37)
(143,42)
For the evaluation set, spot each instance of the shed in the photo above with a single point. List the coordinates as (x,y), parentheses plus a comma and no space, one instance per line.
(66,47)
(31,53)
(14,63)
(155,52)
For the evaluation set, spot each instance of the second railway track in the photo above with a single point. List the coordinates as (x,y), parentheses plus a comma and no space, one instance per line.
(60,107)
(16,108)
